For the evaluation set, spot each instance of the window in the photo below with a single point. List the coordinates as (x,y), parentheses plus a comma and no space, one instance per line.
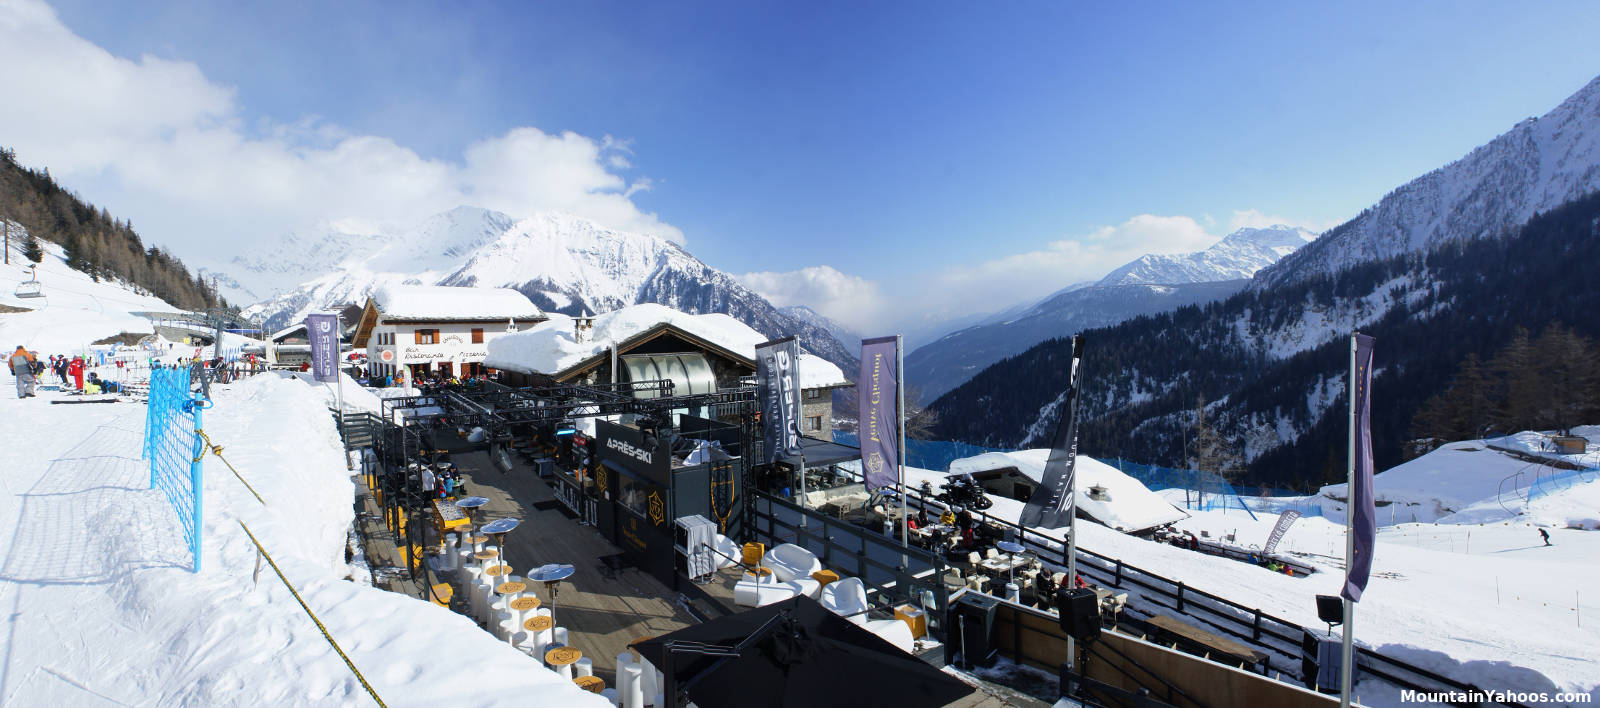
(477,335)
(813,394)
(427,336)
(813,423)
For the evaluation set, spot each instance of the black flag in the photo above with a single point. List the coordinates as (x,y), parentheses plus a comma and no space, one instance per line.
(1052,505)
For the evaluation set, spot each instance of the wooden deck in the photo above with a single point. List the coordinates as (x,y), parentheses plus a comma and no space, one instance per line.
(603,610)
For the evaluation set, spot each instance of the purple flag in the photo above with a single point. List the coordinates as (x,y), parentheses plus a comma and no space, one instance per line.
(1052,504)
(877,390)
(323,332)
(1363,515)
(778,390)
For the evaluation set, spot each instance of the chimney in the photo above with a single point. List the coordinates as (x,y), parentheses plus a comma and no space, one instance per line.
(582,326)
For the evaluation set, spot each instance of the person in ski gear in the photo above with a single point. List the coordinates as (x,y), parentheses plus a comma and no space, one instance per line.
(75,369)
(1545,535)
(21,362)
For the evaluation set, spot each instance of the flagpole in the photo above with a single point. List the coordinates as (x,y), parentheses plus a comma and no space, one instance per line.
(338,377)
(900,391)
(1072,514)
(1348,647)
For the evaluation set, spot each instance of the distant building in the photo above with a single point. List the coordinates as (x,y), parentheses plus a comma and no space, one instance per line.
(438,330)
(698,353)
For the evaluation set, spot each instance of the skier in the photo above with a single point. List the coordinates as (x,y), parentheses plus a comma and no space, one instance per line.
(75,369)
(61,369)
(1545,535)
(21,363)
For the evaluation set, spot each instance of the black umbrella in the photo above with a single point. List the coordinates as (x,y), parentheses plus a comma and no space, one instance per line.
(796,654)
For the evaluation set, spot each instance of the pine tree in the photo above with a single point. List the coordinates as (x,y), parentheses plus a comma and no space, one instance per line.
(31,248)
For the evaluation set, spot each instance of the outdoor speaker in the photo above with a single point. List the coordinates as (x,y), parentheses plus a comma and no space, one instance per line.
(1330,609)
(1079,613)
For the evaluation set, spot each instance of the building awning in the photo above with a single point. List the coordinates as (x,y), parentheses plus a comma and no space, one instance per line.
(819,453)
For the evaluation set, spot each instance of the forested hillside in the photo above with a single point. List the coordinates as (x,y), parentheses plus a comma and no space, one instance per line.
(94,241)
(1280,401)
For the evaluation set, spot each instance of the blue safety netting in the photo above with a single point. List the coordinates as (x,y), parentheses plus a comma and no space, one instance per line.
(172,444)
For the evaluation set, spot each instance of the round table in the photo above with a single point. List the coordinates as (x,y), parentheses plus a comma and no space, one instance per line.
(486,555)
(562,659)
(592,684)
(1011,548)
(760,575)
(498,570)
(539,624)
(511,588)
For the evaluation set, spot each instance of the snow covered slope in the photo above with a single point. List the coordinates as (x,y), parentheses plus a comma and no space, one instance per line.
(102,609)
(1477,481)
(75,311)
(1237,256)
(563,263)
(1128,505)
(1539,164)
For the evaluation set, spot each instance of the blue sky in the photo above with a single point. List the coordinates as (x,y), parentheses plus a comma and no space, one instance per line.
(898,143)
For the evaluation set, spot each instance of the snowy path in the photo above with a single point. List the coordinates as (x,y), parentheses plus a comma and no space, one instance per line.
(100,606)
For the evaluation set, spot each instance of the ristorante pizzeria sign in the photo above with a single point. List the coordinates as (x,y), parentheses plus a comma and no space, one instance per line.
(419,354)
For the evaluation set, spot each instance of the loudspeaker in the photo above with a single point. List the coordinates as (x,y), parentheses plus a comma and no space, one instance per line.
(1079,613)
(1330,609)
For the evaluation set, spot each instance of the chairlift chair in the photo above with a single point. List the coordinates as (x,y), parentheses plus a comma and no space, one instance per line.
(30,287)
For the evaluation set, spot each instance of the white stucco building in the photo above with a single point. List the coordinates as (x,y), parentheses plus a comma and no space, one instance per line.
(438,330)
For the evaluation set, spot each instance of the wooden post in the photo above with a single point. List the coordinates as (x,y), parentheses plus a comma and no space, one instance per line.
(1119,573)
(1180,596)
(1256,629)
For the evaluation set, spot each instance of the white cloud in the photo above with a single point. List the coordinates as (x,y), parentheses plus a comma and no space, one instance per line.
(999,283)
(1254,219)
(154,140)
(852,301)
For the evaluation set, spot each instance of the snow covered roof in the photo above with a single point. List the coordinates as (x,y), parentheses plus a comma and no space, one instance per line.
(1128,506)
(551,347)
(433,302)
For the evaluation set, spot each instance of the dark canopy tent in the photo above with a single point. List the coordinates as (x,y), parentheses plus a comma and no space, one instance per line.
(821,453)
(799,654)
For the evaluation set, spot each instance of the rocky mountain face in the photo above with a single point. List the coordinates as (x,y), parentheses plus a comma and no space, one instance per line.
(563,263)
(1536,166)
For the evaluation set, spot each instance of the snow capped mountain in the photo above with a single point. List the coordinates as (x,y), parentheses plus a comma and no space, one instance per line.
(850,339)
(562,262)
(1146,285)
(1235,257)
(1539,164)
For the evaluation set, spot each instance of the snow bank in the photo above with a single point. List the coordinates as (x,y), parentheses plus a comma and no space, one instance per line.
(552,346)
(1467,475)
(104,609)
(434,302)
(1127,506)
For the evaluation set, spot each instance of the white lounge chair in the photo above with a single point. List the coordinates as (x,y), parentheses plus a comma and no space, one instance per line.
(789,561)
(749,593)
(846,598)
(729,551)
(895,632)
